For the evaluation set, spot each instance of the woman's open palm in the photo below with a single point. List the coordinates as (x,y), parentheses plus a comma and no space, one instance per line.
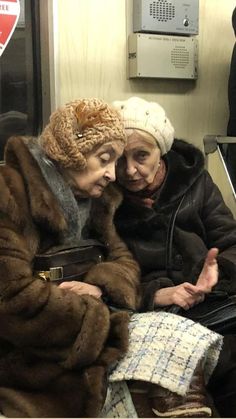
(209,274)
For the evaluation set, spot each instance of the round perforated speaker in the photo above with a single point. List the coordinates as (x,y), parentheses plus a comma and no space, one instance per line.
(162,10)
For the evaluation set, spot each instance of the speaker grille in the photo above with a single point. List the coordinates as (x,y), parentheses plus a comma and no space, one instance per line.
(180,57)
(162,10)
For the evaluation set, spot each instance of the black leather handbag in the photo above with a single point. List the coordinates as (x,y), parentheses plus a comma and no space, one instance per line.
(67,264)
(217,312)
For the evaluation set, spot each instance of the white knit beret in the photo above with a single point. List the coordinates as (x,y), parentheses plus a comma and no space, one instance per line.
(150,117)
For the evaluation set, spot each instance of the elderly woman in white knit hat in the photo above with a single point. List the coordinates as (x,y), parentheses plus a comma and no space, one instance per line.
(173,219)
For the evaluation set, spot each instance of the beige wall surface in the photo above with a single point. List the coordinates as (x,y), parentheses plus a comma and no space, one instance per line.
(90,60)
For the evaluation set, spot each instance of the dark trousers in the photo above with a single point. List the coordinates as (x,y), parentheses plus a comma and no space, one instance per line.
(222,385)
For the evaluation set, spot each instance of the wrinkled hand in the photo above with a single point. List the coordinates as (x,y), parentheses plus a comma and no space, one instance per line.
(187,295)
(81,288)
(209,274)
(184,295)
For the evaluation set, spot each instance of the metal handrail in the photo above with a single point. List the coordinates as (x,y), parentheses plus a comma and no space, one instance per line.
(212,141)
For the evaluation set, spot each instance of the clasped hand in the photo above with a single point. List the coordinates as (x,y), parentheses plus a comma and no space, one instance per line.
(81,288)
(187,295)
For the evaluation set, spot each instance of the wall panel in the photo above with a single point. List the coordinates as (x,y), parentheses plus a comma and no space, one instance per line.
(91,61)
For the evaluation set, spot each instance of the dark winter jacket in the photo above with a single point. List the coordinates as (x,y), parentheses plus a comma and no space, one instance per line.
(171,239)
(55,346)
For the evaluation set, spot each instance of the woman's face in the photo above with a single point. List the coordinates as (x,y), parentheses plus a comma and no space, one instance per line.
(139,163)
(99,172)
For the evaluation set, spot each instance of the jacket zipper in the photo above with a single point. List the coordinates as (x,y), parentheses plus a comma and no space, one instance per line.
(170,235)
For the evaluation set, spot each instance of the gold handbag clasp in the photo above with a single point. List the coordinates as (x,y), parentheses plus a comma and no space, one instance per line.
(53,274)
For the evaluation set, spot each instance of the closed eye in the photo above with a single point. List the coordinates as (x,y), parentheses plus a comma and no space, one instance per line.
(105,157)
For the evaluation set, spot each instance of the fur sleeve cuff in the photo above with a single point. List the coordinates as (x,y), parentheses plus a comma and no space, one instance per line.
(117,285)
(149,292)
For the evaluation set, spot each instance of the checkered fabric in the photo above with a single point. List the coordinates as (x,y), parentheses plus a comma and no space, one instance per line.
(164,349)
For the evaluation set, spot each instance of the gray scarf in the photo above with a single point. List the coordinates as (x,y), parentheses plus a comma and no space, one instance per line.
(75,212)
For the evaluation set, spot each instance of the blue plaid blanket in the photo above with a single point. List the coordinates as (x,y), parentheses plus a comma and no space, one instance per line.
(163,349)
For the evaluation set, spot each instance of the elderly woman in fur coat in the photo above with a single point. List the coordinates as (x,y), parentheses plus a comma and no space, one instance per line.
(56,345)
(171,215)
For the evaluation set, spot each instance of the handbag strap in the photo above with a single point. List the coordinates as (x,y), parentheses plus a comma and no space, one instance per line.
(84,251)
(78,244)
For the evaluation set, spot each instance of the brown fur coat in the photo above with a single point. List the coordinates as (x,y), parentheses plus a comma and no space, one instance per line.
(55,346)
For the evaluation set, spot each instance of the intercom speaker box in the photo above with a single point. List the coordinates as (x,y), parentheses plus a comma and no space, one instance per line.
(162,56)
(179,17)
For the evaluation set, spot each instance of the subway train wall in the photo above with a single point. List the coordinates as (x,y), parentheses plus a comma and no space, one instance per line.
(90,60)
